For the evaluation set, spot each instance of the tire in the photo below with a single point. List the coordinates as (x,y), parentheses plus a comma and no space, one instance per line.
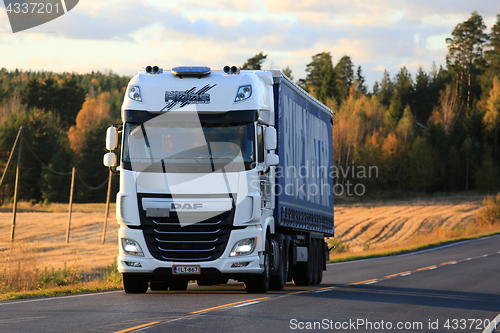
(158,285)
(278,281)
(135,284)
(303,272)
(314,260)
(259,283)
(178,285)
(289,256)
(321,260)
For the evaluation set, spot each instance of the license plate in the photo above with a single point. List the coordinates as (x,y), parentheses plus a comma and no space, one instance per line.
(186,269)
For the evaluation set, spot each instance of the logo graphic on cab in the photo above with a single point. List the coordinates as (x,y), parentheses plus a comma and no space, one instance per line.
(190,96)
(25,14)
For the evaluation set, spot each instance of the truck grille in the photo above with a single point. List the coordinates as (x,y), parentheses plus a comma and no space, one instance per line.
(167,240)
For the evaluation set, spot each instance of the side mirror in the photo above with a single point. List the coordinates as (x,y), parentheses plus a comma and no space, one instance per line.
(111,138)
(272,160)
(270,138)
(110,159)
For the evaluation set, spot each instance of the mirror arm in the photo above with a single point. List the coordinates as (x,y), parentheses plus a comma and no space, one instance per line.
(113,169)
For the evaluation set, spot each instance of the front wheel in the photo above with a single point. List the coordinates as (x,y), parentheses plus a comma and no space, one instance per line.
(135,284)
(259,283)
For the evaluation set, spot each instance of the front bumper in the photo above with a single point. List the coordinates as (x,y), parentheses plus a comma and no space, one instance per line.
(223,265)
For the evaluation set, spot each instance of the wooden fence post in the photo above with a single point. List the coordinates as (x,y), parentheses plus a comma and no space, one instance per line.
(16,190)
(107,208)
(70,204)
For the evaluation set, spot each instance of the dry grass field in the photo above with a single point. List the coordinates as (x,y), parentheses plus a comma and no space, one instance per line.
(405,222)
(365,226)
(42,229)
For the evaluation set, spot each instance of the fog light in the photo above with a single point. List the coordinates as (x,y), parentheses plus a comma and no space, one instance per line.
(131,247)
(240,264)
(132,264)
(242,247)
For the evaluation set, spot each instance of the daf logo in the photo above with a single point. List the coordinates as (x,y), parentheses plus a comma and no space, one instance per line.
(178,206)
(184,97)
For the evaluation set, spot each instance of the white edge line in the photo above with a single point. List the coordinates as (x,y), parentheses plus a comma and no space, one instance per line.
(246,304)
(491,328)
(58,297)
(406,274)
(413,253)
(371,282)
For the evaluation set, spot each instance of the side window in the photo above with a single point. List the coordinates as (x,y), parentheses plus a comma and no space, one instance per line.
(260,143)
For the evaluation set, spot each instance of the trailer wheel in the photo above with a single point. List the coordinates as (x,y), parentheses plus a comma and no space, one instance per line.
(303,271)
(278,281)
(321,260)
(135,284)
(178,284)
(259,283)
(314,260)
(289,256)
(158,285)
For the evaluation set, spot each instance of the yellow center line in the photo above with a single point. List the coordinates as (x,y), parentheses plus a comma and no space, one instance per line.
(397,274)
(428,267)
(324,288)
(448,263)
(137,327)
(226,305)
(353,284)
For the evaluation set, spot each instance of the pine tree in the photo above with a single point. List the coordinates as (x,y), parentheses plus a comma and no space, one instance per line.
(492,54)
(255,63)
(465,54)
(320,78)
(344,72)
(361,81)
(288,72)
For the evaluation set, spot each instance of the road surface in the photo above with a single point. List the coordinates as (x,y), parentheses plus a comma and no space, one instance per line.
(455,288)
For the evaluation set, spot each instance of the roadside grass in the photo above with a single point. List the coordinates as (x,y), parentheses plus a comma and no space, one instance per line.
(23,279)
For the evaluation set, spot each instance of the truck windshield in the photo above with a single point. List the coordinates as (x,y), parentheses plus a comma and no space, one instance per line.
(188,146)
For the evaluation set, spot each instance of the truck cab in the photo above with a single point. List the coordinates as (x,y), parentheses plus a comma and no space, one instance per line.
(197,174)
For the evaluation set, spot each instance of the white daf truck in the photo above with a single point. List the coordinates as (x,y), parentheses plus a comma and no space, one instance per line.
(223,175)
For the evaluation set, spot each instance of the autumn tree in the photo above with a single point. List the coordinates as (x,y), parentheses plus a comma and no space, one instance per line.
(448,110)
(94,111)
(492,116)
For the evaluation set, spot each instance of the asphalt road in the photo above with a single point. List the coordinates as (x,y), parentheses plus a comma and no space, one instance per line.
(455,288)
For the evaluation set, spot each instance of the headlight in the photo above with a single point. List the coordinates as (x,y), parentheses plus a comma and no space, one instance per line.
(134,93)
(131,247)
(244,246)
(244,92)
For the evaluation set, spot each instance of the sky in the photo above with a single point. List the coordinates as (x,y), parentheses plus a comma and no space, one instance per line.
(125,35)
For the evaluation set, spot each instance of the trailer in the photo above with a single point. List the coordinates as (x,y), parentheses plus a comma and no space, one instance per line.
(223,175)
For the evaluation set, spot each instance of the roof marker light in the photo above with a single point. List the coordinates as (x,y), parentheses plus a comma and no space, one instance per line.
(189,71)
